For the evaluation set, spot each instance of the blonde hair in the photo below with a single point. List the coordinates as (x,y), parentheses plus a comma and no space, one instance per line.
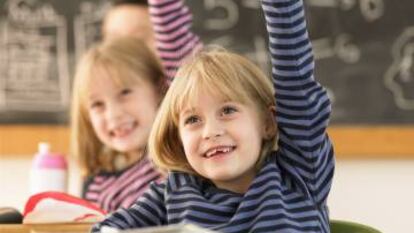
(220,73)
(127,60)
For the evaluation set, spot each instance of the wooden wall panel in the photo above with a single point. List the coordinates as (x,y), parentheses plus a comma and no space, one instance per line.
(351,142)
(23,139)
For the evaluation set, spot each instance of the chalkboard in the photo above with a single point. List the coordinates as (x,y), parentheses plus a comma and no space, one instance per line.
(364,52)
(40,41)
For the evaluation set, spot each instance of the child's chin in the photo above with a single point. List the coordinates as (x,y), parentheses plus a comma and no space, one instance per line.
(125,148)
(221,176)
(124,144)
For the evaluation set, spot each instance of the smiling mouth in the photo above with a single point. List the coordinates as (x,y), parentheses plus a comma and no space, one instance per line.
(123,130)
(221,150)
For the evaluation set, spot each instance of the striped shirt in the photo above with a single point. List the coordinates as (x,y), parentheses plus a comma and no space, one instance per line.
(290,191)
(174,40)
(112,190)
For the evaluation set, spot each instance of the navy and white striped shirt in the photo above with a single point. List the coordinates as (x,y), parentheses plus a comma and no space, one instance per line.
(289,193)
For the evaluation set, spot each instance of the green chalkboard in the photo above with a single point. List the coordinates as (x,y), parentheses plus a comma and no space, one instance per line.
(364,51)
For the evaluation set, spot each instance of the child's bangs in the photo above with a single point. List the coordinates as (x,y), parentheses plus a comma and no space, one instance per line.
(119,73)
(103,68)
(211,79)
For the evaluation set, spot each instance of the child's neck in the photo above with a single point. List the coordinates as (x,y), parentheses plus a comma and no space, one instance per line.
(238,185)
(125,160)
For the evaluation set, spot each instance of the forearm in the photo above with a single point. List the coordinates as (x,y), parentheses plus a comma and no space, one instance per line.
(120,219)
(172,25)
(303,106)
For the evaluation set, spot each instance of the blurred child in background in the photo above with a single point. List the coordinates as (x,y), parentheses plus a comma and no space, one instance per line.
(117,89)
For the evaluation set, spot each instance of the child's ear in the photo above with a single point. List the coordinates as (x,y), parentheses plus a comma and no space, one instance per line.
(270,129)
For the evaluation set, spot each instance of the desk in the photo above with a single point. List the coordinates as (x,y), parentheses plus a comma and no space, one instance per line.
(45,228)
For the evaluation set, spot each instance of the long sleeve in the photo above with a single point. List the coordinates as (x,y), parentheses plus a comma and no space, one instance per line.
(148,210)
(174,39)
(302,105)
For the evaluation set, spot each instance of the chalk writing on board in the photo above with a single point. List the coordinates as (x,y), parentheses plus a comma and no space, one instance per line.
(225,18)
(353,51)
(370,9)
(400,76)
(342,45)
(363,50)
(228,21)
(87,26)
(33,63)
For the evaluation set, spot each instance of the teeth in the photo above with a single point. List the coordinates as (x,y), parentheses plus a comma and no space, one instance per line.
(216,150)
(122,130)
(209,153)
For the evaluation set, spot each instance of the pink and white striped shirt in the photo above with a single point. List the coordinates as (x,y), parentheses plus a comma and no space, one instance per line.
(112,190)
(174,39)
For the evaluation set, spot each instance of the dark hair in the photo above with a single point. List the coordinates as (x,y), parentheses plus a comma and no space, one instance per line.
(133,2)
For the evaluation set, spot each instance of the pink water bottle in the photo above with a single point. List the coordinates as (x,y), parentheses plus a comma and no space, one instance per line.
(49,171)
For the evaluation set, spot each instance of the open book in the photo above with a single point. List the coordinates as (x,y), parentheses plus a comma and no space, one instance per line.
(58,207)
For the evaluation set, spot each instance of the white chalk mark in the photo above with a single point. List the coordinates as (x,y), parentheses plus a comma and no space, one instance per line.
(340,46)
(323,3)
(399,78)
(346,50)
(260,54)
(372,9)
(251,4)
(231,14)
(322,48)
(331,95)
(346,4)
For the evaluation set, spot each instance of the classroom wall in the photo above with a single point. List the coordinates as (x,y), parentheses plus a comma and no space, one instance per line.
(375,192)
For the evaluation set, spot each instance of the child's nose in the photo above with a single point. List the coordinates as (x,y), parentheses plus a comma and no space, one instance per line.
(213,129)
(114,111)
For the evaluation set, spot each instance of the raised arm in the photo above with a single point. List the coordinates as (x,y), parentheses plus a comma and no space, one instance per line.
(172,25)
(303,107)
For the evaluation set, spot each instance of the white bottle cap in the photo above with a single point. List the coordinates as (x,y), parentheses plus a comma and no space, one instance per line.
(43,147)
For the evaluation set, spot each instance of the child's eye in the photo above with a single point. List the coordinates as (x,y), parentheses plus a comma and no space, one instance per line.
(191,120)
(125,91)
(96,105)
(229,110)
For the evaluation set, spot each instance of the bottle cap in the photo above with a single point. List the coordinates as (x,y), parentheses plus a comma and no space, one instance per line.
(46,159)
(43,147)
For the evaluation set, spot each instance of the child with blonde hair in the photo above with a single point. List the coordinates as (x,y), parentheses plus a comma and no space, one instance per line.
(118,87)
(215,135)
